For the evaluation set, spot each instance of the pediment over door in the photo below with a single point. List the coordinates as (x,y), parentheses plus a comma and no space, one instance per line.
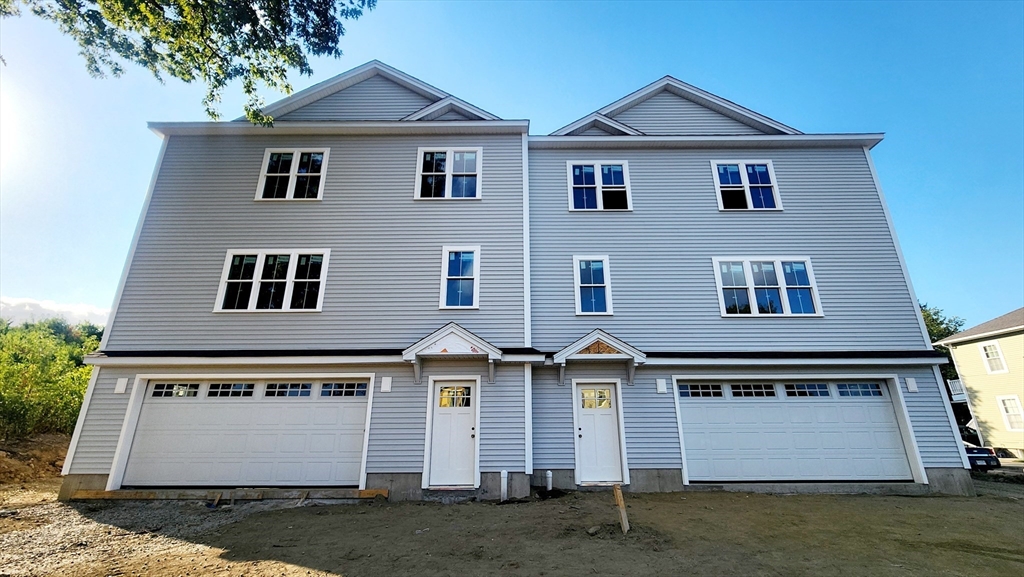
(599,346)
(451,342)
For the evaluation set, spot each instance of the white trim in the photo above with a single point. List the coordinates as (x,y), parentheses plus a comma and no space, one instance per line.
(617,383)
(712,360)
(103,361)
(1002,411)
(899,251)
(596,119)
(570,352)
(528,405)
(449,168)
(350,128)
(706,141)
(751,288)
(289,280)
(607,283)
(138,395)
(80,424)
(985,359)
(293,173)
(679,430)
(429,431)
(527,296)
(891,381)
(493,353)
(446,250)
(446,105)
(746,185)
(598,164)
(952,418)
(135,244)
(366,431)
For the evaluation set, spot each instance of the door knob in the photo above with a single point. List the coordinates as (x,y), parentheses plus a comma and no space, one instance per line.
(472,436)
(581,436)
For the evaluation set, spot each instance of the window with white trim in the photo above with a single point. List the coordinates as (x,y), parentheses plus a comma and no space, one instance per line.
(448,172)
(293,174)
(599,186)
(766,287)
(993,357)
(1013,414)
(460,277)
(273,280)
(593,282)
(746,185)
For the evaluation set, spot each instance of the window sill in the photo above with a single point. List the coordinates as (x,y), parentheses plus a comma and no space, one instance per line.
(600,210)
(608,314)
(458,308)
(288,199)
(789,316)
(436,198)
(265,311)
(749,210)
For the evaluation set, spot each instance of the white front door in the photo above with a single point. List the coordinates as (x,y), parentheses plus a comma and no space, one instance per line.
(597,433)
(453,438)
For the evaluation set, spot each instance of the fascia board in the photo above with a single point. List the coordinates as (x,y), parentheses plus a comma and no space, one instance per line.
(343,127)
(978,337)
(717,141)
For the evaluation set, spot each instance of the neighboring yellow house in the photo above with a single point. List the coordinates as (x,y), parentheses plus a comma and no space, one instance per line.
(990,360)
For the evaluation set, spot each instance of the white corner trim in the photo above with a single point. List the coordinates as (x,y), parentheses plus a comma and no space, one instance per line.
(527,296)
(135,243)
(528,405)
(617,383)
(951,419)
(89,390)
(124,440)
(679,428)
(366,430)
(429,430)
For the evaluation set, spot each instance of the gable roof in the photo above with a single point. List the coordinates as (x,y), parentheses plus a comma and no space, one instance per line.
(691,93)
(1010,322)
(450,104)
(608,125)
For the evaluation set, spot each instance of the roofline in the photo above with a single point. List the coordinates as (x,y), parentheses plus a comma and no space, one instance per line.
(349,78)
(703,141)
(344,127)
(454,102)
(596,117)
(954,339)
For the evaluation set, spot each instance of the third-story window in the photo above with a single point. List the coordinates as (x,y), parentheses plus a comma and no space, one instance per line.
(593,285)
(293,174)
(746,185)
(599,186)
(766,287)
(448,173)
(273,281)
(460,277)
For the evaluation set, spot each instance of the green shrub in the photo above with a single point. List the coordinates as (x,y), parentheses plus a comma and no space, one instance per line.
(42,378)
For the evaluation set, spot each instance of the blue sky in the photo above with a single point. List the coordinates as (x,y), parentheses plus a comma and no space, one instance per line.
(944,81)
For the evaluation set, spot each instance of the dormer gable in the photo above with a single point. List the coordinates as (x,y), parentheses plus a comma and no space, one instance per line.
(451,108)
(596,124)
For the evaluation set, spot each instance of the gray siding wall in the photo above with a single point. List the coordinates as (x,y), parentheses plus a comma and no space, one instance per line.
(102,427)
(376,98)
(452,115)
(383,282)
(665,113)
(594,131)
(552,422)
(663,281)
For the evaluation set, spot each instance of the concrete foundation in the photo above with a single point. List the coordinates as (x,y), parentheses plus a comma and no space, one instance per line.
(951,481)
(564,479)
(74,483)
(654,481)
(406,487)
(400,486)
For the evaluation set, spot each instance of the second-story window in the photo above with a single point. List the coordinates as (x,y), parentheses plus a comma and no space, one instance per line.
(599,186)
(993,356)
(273,281)
(766,287)
(460,277)
(293,174)
(448,173)
(593,285)
(746,185)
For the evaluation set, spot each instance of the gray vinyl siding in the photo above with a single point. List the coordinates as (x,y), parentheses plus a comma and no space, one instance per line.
(376,98)
(665,113)
(452,115)
(553,446)
(594,131)
(383,281)
(663,281)
(102,427)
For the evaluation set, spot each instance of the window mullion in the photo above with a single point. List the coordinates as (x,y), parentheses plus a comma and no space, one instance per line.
(293,264)
(449,171)
(293,174)
(746,185)
(748,279)
(783,293)
(598,184)
(257,273)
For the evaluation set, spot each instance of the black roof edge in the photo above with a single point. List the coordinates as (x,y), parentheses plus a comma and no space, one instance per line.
(283,353)
(797,354)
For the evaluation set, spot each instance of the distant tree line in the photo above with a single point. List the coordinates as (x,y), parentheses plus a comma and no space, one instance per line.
(43,376)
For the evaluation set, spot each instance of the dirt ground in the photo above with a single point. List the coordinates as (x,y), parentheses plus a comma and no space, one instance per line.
(36,458)
(693,533)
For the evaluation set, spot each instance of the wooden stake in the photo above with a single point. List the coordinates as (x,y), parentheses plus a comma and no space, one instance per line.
(623,520)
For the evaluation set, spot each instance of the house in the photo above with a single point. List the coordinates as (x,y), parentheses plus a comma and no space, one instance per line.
(990,361)
(395,289)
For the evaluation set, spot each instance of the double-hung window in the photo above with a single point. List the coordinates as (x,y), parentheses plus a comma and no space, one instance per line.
(273,280)
(746,185)
(293,174)
(1013,413)
(599,186)
(460,277)
(766,287)
(993,357)
(448,173)
(593,285)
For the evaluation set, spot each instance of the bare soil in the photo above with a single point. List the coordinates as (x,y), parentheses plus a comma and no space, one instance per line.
(30,459)
(693,533)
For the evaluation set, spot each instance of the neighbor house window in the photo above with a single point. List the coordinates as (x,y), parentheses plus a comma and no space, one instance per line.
(460,277)
(273,281)
(593,285)
(448,173)
(766,287)
(993,357)
(1013,415)
(599,186)
(746,185)
(293,174)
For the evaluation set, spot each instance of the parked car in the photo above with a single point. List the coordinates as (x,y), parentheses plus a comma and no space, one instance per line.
(970,435)
(981,458)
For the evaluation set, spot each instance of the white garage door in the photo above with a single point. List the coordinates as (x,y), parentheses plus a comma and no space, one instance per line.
(249,434)
(791,431)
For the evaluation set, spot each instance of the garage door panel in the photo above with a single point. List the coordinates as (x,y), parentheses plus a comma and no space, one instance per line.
(825,415)
(776,441)
(832,441)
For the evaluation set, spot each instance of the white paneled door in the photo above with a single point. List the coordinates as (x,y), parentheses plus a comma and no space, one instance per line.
(453,435)
(597,432)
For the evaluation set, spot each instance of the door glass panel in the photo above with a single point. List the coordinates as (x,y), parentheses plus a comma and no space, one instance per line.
(454,397)
(589,397)
(604,398)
